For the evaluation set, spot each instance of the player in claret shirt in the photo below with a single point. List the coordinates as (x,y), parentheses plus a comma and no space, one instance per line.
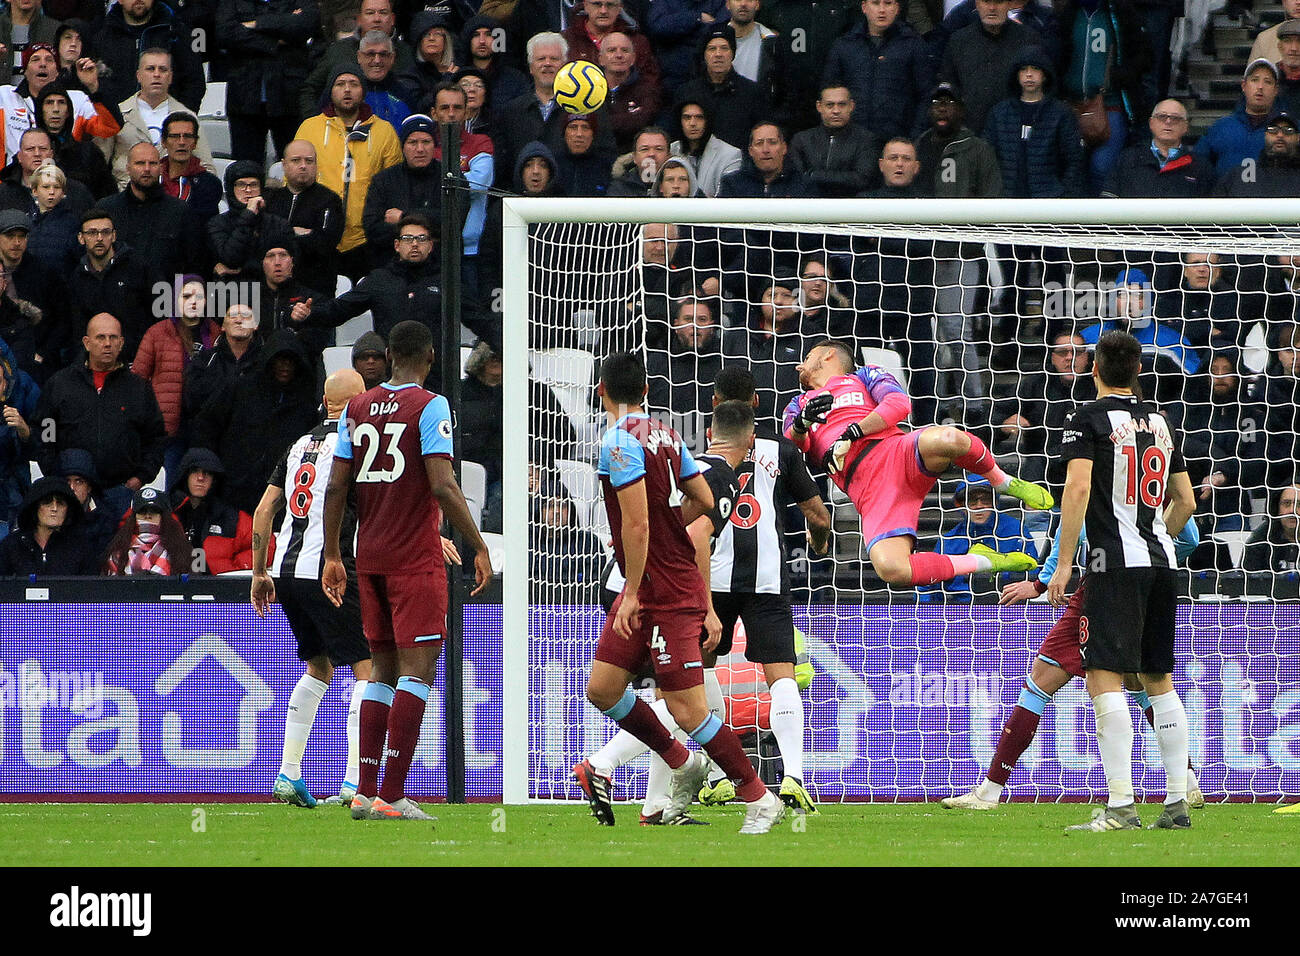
(848,422)
(646,473)
(394,446)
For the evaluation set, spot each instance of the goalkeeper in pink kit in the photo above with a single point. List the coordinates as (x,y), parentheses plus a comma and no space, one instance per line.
(847,422)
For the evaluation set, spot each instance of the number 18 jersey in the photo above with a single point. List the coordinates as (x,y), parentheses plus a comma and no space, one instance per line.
(387,433)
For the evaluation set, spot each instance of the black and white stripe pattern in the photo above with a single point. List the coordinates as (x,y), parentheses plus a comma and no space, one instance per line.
(304,474)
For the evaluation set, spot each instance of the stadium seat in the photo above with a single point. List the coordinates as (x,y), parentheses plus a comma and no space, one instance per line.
(1234,542)
(583,485)
(887,359)
(214,101)
(569,373)
(1254,357)
(473,483)
(464,358)
(337,357)
(496,546)
(35,471)
(216,133)
(353,329)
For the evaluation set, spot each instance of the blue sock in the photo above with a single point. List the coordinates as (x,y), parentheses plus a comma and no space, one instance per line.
(623,707)
(707,730)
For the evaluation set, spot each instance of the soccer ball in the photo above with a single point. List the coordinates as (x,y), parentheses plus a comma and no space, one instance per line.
(580,87)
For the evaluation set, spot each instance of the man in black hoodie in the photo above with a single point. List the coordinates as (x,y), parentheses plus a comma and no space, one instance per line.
(409,287)
(251,422)
(412,186)
(314,212)
(1277,174)
(478,38)
(47,542)
(101,511)
(236,238)
(161,229)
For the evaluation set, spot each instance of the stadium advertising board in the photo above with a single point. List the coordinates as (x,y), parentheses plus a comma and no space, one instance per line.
(144,699)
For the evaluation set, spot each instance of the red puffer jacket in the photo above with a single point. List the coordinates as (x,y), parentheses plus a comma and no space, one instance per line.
(161,362)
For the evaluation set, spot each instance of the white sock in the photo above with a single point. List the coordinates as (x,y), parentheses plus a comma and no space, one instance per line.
(659,786)
(1171,735)
(303,703)
(788,725)
(713,694)
(988,790)
(353,772)
(1115,740)
(622,748)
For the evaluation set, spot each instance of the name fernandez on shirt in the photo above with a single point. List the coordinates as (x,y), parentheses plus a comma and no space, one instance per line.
(1133,426)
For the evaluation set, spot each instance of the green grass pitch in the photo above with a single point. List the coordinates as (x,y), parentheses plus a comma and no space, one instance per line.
(565,835)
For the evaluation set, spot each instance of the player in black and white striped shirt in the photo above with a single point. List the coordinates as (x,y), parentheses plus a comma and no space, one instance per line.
(1126,475)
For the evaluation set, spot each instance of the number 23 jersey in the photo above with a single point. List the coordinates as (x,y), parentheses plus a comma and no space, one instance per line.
(387,433)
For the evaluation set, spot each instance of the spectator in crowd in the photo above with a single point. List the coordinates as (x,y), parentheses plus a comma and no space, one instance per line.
(733,103)
(477,101)
(53,239)
(74,147)
(1104,51)
(370,360)
(1267,44)
(19,318)
(649,153)
(163,230)
(1204,306)
(1288,65)
(773,343)
(1275,545)
(1224,445)
(1166,167)
(413,186)
(408,287)
(101,511)
(165,353)
(372,15)
(36,149)
(481,433)
(1036,136)
(595,21)
(237,237)
(314,212)
(536,172)
(887,69)
(18,398)
(1236,140)
(681,377)
(1283,398)
(894,282)
(280,292)
(979,522)
(251,421)
(979,58)
(23,23)
(435,57)
(143,113)
(807,40)
(478,166)
(111,277)
(72,43)
(37,292)
(478,38)
(824,305)
(100,406)
(386,94)
(46,540)
(237,354)
(673,263)
(132,26)
(633,101)
(1277,175)
(838,158)
(761,57)
(566,559)
(150,540)
(183,174)
(583,171)
(352,147)
(220,536)
(709,157)
(768,171)
(1037,15)
(676,181)
(1031,425)
(268,60)
(90,116)
(677,28)
(535,116)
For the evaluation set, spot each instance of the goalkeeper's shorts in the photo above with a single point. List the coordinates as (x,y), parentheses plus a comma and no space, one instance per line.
(889,487)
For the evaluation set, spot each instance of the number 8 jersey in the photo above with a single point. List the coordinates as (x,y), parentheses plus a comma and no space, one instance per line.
(304,474)
(1133,450)
(387,433)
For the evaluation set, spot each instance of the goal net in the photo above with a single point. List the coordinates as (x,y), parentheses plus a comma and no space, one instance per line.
(985,311)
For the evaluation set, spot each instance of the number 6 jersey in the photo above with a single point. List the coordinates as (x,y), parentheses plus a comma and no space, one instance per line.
(387,433)
(304,474)
(1133,450)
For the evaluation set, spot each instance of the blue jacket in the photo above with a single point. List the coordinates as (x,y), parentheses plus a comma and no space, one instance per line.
(1001,532)
(1052,156)
(1157,340)
(675,28)
(1232,140)
(890,85)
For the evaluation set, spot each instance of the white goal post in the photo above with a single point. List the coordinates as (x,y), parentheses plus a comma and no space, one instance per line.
(1253,228)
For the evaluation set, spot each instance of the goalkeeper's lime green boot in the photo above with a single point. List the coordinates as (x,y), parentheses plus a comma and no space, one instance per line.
(1035,497)
(715,795)
(1013,561)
